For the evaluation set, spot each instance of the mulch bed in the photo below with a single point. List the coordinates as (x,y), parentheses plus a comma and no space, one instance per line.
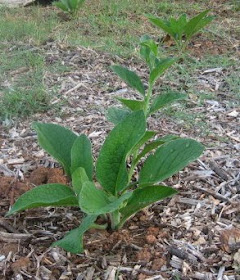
(194,235)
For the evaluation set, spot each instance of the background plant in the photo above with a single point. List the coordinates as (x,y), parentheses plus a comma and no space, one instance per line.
(181,30)
(119,196)
(69,6)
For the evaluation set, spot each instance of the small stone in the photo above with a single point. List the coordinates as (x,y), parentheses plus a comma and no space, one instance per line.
(158,263)
(151,239)
(153,230)
(144,255)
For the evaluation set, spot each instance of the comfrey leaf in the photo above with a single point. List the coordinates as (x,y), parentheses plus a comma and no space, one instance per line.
(57,141)
(111,164)
(196,23)
(45,195)
(160,68)
(73,241)
(116,115)
(165,99)
(130,77)
(134,105)
(153,145)
(79,177)
(96,201)
(81,155)
(164,25)
(143,197)
(168,160)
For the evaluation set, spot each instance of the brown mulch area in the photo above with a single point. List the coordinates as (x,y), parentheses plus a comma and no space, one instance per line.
(194,235)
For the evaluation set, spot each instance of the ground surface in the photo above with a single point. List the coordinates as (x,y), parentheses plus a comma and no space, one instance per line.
(194,235)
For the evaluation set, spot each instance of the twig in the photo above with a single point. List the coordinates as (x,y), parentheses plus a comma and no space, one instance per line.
(180,253)
(216,195)
(8,227)
(13,237)
(220,273)
(219,171)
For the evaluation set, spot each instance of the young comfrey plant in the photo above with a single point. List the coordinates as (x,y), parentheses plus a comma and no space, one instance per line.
(181,30)
(107,188)
(148,103)
(69,6)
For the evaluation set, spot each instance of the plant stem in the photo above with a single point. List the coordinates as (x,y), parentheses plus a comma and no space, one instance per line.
(115,219)
(145,110)
(104,226)
(147,99)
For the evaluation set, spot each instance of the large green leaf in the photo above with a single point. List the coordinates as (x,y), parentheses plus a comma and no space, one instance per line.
(165,99)
(96,201)
(79,177)
(134,105)
(73,4)
(57,141)
(161,24)
(169,159)
(81,155)
(153,145)
(116,115)
(147,136)
(61,5)
(191,26)
(111,163)
(160,68)
(205,21)
(143,197)
(45,195)
(73,240)
(129,77)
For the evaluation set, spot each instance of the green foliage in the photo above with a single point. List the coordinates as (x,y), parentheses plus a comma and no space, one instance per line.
(69,6)
(130,78)
(116,198)
(181,30)
(45,195)
(148,103)
(111,190)
(58,142)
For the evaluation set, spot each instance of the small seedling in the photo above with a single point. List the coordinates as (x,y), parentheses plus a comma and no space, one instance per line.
(108,188)
(69,6)
(181,30)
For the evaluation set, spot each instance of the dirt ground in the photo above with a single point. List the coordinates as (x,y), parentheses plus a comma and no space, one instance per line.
(194,235)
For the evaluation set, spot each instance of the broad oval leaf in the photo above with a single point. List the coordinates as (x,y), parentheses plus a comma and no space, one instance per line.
(134,105)
(79,177)
(165,99)
(160,68)
(143,197)
(130,78)
(111,163)
(96,201)
(57,141)
(153,145)
(169,159)
(81,155)
(45,195)
(116,115)
(73,240)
